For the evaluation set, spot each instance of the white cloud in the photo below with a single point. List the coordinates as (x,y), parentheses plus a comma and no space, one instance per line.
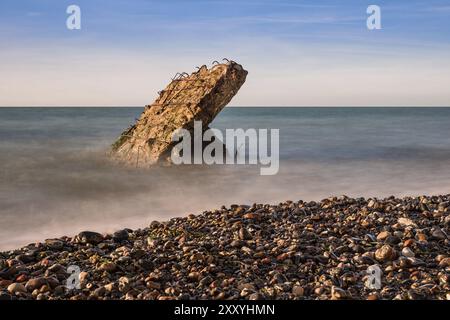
(280,74)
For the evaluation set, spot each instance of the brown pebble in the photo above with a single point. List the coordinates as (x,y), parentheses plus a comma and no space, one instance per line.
(385,253)
(383,235)
(298,291)
(408,243)
(16,288)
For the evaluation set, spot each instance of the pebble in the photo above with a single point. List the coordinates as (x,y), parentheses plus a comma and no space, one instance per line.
(99,292)
(416,262)
(372,203)
(41,296)
(244,234)
(437,233)
(421,237)
(392,240)
(124,284)
(298,291)
(291,250)
(83,276)
(153,285)
(408,243)
(152,243)
(383,235)
(236,243)
(35,283)
(121,235)
(194,276)
(25,258)
(406,222)
(16,288)
(22,278)
(373,296)
(89,237)
(407,252)
(338,293)
(108,266)
(443,206)
(385,253)
(445,262)
(54,244)
(250,216)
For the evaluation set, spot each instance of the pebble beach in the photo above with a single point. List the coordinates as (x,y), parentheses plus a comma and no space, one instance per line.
(291,250)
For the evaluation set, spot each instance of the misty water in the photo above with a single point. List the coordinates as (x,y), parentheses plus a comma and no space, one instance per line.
(55,178)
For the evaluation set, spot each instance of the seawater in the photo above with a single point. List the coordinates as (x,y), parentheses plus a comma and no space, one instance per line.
(55,178)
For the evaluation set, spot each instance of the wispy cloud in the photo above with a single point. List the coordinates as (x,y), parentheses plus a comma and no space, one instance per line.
(34,14)
(280,19)
(442,9)
(123,42)
(266,3)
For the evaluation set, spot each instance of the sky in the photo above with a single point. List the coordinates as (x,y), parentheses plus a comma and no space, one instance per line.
(298,53)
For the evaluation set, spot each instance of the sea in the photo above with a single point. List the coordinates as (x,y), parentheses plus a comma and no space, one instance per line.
(56,179)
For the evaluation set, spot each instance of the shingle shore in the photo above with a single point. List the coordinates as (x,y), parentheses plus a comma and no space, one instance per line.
(293,250)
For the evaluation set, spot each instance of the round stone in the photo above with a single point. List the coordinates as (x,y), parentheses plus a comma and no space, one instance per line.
(16,288)
(385,253)
(407,252)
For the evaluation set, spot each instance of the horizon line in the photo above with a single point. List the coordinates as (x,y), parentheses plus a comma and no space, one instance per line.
(254,106)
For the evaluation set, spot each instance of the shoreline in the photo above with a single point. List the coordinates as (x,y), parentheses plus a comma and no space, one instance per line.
(293,250)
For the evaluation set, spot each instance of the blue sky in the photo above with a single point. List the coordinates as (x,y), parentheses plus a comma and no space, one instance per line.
(297,52)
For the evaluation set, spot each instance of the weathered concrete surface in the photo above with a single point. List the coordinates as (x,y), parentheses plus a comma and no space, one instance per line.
(188,98)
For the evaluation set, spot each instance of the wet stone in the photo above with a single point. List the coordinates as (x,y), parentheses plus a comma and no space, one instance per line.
(120,235)
(89,237)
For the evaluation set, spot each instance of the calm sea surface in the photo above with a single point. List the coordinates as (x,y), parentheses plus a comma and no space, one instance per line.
(55,179)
